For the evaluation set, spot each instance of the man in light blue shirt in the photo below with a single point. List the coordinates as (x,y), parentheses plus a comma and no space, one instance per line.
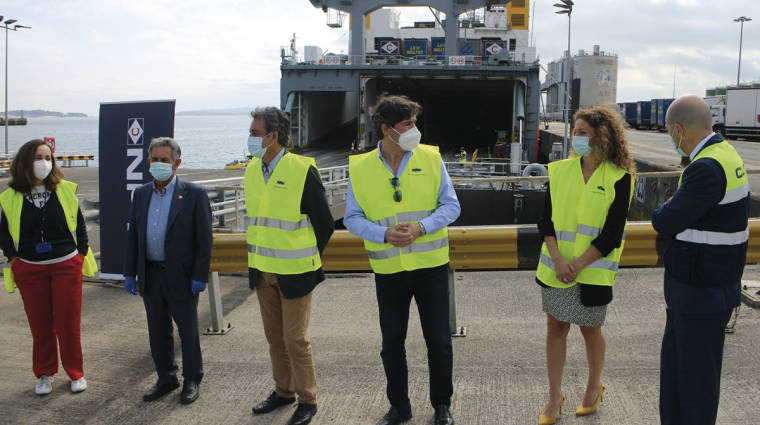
(158,215)
(399,274)
(447,212)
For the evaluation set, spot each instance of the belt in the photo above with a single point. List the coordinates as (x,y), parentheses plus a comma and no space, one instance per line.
(157,264)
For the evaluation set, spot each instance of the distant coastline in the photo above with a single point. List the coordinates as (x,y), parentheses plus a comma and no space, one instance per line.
(37,113)
(43,113)
(245,110)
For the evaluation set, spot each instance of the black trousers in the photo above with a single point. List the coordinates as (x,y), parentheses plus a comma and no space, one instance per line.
(690,365)
(164,302)
(430,289)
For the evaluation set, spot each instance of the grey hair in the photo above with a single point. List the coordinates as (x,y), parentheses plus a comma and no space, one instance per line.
(166,141)
(275,119)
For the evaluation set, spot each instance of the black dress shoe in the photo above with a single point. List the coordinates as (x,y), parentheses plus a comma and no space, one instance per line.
(272,402)
(395,416)
(157,391)
(190,392)
(303,414)
(443,416)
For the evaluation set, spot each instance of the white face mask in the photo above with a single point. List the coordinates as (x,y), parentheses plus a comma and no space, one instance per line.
(42,169)
(409,139)
(255,147)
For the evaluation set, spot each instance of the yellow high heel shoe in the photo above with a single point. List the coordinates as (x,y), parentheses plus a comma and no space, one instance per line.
(543,420)
(583,411)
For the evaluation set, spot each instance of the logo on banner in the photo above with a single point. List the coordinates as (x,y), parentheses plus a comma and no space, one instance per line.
(494,49)
(467,49)
(135,130)
(389,47)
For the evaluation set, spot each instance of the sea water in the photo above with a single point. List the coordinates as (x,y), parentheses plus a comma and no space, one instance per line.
(207,141)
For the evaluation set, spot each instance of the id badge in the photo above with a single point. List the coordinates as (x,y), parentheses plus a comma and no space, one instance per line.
(43,247)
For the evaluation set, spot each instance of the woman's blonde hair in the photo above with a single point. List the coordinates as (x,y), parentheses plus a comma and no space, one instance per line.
(609,129)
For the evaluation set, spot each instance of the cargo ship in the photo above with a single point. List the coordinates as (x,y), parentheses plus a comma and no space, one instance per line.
(471,66)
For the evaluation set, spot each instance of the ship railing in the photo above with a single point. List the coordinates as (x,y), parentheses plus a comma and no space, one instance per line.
(332,174)
(507,58)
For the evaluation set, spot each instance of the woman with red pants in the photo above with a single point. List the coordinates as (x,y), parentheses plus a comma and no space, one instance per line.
(43,234)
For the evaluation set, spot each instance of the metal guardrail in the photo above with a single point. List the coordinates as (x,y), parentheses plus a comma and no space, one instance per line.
(472,248)
(63,160)
(228,200)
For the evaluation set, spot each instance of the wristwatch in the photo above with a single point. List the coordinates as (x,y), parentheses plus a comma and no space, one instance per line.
(422,228)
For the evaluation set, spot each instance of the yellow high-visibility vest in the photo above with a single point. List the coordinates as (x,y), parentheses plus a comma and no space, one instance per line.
(280,239)
(579,211)
(737,188)
(12,201)
(419,184)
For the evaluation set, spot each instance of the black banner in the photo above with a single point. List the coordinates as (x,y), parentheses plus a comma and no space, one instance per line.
(125,132)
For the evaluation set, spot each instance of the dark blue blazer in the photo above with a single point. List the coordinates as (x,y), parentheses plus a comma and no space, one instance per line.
(187,247)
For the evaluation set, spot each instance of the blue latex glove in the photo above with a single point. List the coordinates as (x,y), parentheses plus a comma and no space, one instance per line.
(197,286)
(130,284)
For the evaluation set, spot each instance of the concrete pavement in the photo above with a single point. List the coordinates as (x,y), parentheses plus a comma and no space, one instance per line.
(499,367)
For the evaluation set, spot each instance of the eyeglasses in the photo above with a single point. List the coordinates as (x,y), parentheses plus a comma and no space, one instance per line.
(397,192)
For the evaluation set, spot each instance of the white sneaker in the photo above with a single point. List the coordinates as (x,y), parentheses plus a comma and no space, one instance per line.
(44,386)
(79,385)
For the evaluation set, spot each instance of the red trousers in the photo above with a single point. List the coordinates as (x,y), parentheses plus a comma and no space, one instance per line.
(52,295)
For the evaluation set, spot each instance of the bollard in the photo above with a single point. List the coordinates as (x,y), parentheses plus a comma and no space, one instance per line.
(456,331)
(215,302)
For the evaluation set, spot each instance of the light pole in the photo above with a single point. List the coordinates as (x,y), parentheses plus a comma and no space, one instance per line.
(566,7)
(6,25)
(741,19)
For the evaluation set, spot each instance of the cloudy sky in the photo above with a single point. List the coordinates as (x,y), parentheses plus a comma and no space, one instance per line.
(225,53)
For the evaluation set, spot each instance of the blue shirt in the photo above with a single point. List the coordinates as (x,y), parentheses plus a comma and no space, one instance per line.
(158,216)
(447,211)
(269,170)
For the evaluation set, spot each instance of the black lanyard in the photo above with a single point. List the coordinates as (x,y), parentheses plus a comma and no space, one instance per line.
(42,247)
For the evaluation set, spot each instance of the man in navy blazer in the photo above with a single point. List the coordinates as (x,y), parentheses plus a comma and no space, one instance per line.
(706,224)
(167,261)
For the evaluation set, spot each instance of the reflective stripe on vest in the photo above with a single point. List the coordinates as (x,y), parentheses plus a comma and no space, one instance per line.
(409,249)
(280,239)
(419,184)
(579,211)
(275,223)
(737,189)
(598,264)
(714,238)
(404,216)
(734,195)
(286,254)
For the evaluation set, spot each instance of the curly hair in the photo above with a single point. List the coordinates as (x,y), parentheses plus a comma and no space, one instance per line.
(609,129)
